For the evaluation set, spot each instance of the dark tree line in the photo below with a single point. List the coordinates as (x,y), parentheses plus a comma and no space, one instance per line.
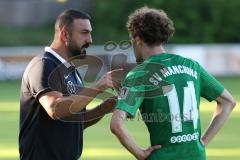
(196,21)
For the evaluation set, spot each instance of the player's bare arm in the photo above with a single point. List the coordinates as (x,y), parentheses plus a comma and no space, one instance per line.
(118,128)
(225,105)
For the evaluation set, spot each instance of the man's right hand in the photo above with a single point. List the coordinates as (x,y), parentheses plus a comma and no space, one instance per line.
(144,154)
(108,81)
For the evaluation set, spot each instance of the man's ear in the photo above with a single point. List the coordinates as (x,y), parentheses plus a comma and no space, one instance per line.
(64,35)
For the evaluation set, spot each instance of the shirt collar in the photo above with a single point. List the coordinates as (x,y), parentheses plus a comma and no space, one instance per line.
(160,56)
(55,54)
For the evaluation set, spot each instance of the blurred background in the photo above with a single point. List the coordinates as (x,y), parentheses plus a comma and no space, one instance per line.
(206,31)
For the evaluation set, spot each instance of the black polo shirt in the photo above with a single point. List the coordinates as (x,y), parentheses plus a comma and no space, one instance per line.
(42,138)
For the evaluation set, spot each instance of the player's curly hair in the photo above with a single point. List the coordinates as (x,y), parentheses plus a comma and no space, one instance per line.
(151,25)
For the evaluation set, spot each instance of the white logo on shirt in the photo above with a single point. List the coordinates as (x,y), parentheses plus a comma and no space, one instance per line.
(71,88)
(185,138)
(123,93)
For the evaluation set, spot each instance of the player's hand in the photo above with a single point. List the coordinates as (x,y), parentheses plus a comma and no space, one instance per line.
(108,105)
(146,152)
(108,81)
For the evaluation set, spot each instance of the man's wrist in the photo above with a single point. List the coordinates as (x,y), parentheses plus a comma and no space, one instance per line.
(139,153)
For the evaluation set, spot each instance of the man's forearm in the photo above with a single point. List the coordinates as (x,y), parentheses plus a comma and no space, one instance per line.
(218,120)
(127,141)
(92,122)
(68,106)
(92,116)
(117,128)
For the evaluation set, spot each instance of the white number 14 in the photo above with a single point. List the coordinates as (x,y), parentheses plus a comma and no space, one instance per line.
(190,111)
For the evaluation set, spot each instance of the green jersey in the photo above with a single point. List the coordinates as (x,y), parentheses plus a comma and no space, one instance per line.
(166,88)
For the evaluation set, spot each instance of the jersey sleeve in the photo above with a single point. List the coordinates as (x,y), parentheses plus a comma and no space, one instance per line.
(211,88)
(39,77)
(132,94)
(137,87)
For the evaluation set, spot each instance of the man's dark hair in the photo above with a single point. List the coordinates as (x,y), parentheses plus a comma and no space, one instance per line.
(151,25)
(66,18)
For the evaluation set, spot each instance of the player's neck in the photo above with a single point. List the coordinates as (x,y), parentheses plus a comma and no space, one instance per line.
(153,51)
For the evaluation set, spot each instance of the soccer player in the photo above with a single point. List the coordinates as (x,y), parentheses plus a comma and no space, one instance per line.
(53,97)
(167,90)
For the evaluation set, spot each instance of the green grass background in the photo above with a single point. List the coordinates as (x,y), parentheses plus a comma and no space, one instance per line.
(100,144)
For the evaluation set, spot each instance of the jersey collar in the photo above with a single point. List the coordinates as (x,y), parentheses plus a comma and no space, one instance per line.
(161,56)
(56,55)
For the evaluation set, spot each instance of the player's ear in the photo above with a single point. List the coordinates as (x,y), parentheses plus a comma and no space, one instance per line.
(139,41)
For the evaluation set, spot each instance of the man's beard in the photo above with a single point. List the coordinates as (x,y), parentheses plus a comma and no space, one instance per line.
(78,52)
